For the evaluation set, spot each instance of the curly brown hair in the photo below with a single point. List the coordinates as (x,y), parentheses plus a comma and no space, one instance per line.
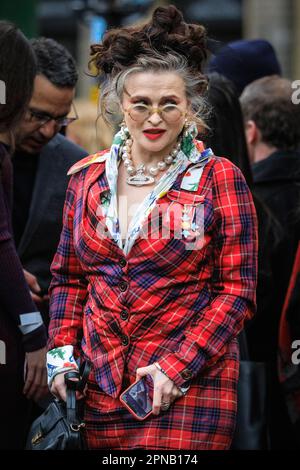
(166,32)
(165,43)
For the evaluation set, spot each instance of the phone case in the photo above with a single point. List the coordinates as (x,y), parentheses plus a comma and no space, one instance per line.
(137,400)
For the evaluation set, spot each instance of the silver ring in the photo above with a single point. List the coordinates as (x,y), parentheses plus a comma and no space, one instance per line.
(165,405)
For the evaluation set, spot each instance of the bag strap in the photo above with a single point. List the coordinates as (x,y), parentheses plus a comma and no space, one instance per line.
(74,386)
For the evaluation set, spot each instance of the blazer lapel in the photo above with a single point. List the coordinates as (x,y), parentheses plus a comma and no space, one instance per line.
(94,187)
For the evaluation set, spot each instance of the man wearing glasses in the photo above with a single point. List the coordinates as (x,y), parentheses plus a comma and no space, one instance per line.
(41,161)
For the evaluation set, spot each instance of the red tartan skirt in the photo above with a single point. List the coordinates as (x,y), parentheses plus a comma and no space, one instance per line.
(204,419)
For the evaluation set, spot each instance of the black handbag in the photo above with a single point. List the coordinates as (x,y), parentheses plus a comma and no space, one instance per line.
(251,432)
(60,426)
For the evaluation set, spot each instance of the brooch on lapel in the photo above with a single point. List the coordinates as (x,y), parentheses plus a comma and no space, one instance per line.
(186,220)
(187,208)
(189,227)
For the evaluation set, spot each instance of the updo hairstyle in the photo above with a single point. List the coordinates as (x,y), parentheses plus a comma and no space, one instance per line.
(165,44)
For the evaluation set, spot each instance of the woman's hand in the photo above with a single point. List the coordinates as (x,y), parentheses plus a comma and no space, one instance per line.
(165,391)
(59,389)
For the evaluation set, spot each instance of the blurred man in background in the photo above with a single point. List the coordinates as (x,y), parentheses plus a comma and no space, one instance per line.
(272,132)
(41,161)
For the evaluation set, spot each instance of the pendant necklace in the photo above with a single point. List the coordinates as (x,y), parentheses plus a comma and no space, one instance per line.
(137,176)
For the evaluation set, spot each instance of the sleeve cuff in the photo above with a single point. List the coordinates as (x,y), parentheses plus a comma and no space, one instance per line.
(60,360)
(59,371)
(182,389)
(30,322)
(35,340)
(179,370)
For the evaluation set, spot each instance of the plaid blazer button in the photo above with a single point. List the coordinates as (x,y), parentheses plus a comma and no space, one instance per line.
(186,374)
(124,315)
(123,286)
(125,340)
(122,262)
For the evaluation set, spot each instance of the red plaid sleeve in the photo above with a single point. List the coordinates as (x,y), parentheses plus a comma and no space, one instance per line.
(233,290)
(68,288)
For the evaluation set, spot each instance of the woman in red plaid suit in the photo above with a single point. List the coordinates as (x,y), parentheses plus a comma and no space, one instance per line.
(155,272)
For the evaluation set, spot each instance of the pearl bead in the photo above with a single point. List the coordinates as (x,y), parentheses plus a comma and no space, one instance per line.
(129,142)
(161,165)
(127,163)
(153,171)
(168,159)
(130,170)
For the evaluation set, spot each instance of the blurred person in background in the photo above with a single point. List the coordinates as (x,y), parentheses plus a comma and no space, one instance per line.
(90,131)
(271,121)
(227,136)
(244,61)
(22,332)
(41,161)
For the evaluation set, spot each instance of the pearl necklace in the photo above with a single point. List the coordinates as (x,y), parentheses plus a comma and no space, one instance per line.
(137,176)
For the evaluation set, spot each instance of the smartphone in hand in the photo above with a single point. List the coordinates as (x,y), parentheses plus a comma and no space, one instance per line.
(137,398)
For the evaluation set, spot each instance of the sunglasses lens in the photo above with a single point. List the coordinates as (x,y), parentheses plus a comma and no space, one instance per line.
(139,113)
(171,114)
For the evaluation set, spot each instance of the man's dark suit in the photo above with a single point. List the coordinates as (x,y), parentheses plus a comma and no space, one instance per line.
(42,231)
(277,184)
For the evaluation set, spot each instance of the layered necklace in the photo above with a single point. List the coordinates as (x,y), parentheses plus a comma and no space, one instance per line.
(139,176)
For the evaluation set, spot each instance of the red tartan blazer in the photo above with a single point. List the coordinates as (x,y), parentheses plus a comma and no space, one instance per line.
(161,302)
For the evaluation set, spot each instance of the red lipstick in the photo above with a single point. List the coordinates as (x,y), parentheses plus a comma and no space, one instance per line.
(153,134)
